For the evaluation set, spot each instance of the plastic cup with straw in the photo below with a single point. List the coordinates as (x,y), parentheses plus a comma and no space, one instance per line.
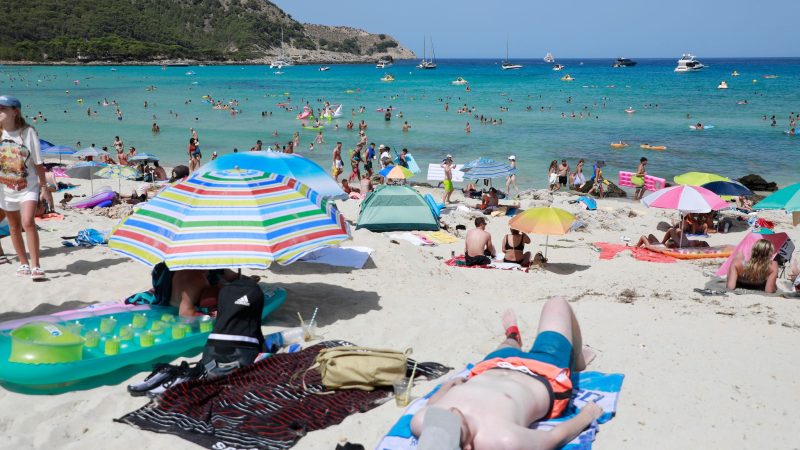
(402,388)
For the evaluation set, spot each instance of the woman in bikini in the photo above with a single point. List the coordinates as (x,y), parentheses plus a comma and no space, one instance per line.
(759,273)
(514,246)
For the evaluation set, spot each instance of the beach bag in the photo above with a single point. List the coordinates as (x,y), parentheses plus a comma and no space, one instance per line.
(236,339)
(785,253)
(13,169)
(362,368)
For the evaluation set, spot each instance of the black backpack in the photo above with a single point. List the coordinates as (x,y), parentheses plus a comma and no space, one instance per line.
(785,253)
(236,339)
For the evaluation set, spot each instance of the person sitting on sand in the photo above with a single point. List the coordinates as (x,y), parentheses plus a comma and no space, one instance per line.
(478,247)
(366,183)
(513,247)
(674,238)
(489,202)
(494,406)
(759,273)
(193,288)
(179,173)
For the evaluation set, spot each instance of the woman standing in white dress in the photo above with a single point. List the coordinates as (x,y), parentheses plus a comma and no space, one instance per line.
(20,193)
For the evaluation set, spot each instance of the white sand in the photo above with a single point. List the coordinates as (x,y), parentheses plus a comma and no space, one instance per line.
(701,372)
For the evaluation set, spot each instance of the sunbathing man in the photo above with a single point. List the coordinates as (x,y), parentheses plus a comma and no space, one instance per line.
(674,238)
(478,247)
(511,389)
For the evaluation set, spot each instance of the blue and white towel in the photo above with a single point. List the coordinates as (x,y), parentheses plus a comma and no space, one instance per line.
(600,388)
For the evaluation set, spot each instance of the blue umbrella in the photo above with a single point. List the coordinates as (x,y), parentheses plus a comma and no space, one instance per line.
(289,165)
(143,157)
(44,144)
(89,151)
(85,170)
(57,150)
(487,168)
(728,188)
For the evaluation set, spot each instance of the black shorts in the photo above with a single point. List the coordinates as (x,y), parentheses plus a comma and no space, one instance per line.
(480,260)
(562,180)
(368,164)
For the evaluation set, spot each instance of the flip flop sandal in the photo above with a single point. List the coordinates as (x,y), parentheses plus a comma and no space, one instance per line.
(24,270)
(37,274)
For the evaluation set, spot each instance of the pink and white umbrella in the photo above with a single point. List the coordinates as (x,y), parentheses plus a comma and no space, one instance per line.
(686,199)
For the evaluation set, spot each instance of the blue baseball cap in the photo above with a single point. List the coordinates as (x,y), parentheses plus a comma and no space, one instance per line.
(12,102)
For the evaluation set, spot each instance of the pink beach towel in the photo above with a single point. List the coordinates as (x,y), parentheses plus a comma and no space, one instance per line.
(609,251)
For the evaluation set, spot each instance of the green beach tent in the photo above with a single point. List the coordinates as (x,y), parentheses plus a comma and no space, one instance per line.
(396,208)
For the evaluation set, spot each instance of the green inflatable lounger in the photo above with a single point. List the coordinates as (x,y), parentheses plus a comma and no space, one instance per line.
(44,353)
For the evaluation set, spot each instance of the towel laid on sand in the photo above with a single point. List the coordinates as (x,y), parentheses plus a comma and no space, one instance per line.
(354,257)
(412,238)
(458,261)
(609,251)
(439,237)
(259,406)
(600,388)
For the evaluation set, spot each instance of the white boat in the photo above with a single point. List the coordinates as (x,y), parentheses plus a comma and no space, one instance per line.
(324,69)
(549,58)
(723,85)
(283,60)
(459,82)
(426,63)
(387,77)
(688,63)
(508,65)
(383,63)
(558,67)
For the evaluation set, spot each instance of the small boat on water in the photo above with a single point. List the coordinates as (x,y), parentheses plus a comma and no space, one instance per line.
(459,82)
(689,63)
(508,65)
(558,67)
(770,77)
(630,110)
(427,64)
(384,62)
(549,58)
(653,147)
(324,69)
(723,85)
(735,74)
(567,77)
(387,77)
(624,62)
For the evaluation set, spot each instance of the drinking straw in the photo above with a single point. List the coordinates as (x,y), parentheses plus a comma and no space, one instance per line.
(302,324)
(411,380)
(313,316)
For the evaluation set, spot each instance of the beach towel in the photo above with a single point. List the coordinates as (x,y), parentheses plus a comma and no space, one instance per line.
(354,257)
(50,217)
(459,261)
(259,406)
(412,238)
(600,388)
(88,237)
(609,251)
(441,237)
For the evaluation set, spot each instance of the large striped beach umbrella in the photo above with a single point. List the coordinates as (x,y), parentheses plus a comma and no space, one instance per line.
(487,168)
(117,172)
(230,219)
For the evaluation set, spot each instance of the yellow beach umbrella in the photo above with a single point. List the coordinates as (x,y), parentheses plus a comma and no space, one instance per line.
(547,221)
(698,178)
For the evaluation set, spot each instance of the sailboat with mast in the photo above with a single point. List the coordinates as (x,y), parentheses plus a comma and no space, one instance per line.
(508,65)
(282,60)
(425,63)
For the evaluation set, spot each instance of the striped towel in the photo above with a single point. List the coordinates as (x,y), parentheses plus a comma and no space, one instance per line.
(600,388)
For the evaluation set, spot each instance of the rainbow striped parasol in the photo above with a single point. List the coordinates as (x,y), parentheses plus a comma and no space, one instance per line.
(230,219)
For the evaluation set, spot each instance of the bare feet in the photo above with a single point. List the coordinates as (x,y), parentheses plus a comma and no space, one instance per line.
(588,356)
(509,319)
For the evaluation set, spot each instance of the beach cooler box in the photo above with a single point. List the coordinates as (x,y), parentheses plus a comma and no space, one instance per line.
(651,183)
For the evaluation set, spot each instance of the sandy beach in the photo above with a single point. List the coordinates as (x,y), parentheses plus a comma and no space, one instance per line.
(701,372)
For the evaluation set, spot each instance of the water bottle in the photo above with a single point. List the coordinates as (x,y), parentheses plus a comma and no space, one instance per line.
(277,341)
(273,342)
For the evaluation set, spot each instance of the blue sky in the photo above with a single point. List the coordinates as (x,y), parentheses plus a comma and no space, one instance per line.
(579,28)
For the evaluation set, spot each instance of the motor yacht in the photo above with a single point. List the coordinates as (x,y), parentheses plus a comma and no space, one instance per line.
(624,62)
(688,63)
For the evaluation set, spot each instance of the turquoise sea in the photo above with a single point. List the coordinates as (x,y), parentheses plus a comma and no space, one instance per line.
(741,141)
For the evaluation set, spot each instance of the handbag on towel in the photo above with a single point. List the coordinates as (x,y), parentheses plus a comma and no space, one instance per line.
(361,368)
